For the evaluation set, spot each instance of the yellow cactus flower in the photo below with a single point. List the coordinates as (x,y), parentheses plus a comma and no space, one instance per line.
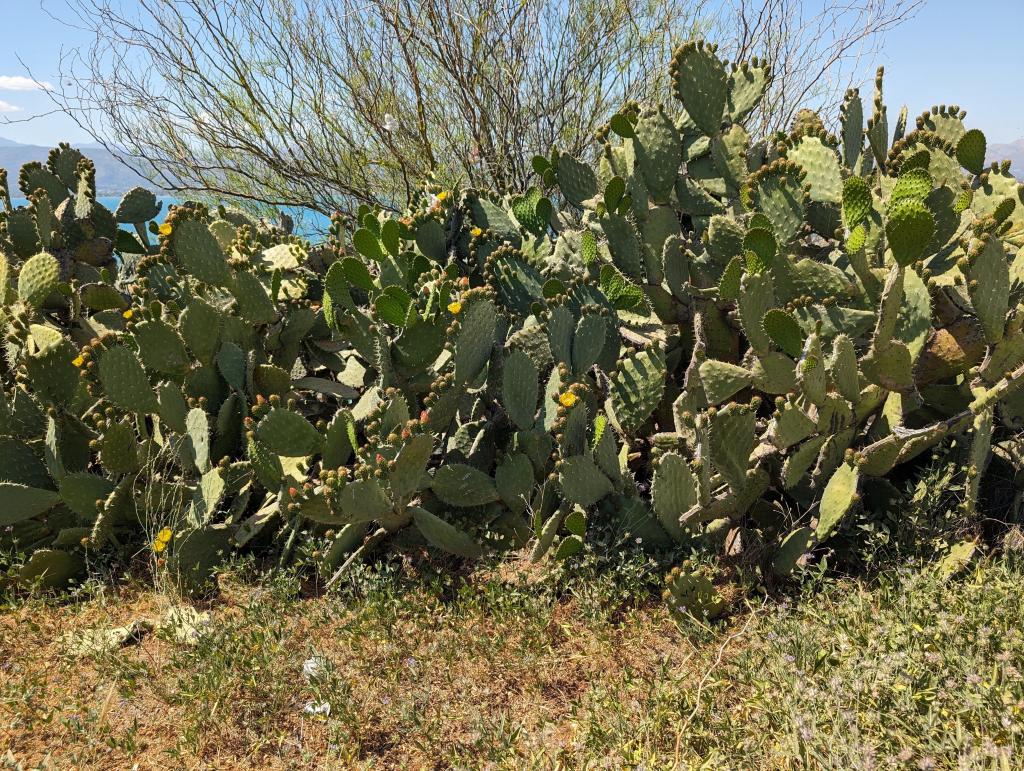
(477,232)
(442,195)
(128,313)
(568,399)
(159,546)
(165,535)
(454,307)
(165,229)
(78,361)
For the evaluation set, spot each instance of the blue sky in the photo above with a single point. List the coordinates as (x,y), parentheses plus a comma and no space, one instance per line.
(970,53)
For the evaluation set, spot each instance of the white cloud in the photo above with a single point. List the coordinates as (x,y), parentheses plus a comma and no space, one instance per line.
(8,107)
(21,83)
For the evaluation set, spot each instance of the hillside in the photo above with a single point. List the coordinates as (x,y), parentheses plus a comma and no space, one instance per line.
(1014,151)
(112,176)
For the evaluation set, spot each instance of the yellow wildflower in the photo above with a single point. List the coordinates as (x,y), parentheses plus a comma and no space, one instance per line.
(78,361)
(568,399)
(454,307)
(477,232)
(442,195)
(165,229)
(162,539)
(128,314)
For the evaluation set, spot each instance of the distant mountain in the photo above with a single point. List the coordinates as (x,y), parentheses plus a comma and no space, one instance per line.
(1014,151)
(112,176)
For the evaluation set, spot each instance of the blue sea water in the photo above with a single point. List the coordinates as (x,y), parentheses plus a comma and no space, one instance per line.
(308,224)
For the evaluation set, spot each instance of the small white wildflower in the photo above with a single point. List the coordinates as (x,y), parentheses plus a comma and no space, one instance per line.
(323,709)
(389,122)
(313,667)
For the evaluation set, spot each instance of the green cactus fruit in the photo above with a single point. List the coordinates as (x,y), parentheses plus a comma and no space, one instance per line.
(582,481)
(909,229)
(636,389)
(519,389)
(701,83)
(731,442)
(971,151)
(444,535)
(199,252)
(576,180)
(673,493)
(287,433)
(124,381)
(38,279)
(137,205)
(460,485)
(839,496)
(514,479)
(723,380)
(20,502)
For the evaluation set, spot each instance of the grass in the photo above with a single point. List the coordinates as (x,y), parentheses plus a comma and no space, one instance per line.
(508,667)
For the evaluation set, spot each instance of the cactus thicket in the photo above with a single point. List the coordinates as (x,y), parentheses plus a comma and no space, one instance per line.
(697,327)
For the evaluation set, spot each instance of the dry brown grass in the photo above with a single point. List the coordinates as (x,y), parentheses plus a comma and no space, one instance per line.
(413,684)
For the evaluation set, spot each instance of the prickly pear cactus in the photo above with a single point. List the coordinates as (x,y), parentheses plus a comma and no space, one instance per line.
(700,324)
